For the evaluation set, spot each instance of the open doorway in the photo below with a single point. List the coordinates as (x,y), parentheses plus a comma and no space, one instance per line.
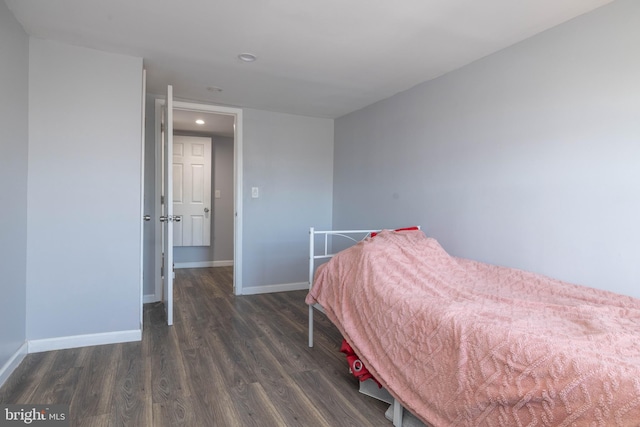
(230,144)
(203,189)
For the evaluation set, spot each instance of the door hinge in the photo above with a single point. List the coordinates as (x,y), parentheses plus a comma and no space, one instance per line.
(162,200)
(161,127)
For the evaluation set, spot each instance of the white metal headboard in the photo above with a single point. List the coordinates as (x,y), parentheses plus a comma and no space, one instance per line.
(354,236)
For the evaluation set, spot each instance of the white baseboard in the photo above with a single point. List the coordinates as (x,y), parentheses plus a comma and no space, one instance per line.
(267,289)
(203,264)
(223,263)
(60,343)
(13,362)
(146,299)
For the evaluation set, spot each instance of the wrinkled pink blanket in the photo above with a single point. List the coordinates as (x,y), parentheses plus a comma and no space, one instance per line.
(461,343)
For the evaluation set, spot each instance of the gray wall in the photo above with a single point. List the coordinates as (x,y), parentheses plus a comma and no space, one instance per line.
(221,248)
(527,158)
(290,159)
(149,260)
(223,207)
(83,244)
(14,63)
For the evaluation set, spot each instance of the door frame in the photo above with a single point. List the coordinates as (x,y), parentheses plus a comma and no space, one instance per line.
(237,185)
(143,147)
(167,211)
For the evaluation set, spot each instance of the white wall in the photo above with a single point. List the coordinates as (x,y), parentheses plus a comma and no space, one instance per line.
(84,222)
(290,159)
(14,63)
(527,158)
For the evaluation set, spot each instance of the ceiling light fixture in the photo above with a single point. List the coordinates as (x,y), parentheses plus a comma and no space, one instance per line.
(199,122)
(247,57)
(214,89)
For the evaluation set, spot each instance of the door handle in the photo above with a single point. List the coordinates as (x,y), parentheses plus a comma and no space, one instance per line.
(163,218)
(206,210)
(177,218)
(147,217)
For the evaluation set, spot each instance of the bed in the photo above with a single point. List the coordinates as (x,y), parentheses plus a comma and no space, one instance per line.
(462,343)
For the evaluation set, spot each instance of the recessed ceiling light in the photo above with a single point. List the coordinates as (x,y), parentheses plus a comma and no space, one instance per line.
(200,122)
(214,89)
(247,57)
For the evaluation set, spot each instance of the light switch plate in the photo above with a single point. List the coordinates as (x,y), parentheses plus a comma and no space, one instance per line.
(217,194)
(255,193)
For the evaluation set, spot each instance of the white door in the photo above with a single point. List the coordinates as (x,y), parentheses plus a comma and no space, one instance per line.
(167,206)
(192,190)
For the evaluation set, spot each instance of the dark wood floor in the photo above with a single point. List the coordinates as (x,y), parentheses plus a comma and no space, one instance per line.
(227,361)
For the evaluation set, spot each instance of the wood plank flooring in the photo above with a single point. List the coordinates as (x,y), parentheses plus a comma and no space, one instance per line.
(226,361)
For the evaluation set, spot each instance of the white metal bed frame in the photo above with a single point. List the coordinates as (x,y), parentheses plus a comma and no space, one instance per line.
(327,253)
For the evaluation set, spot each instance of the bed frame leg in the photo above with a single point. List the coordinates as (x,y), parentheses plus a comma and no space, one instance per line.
(397,413)
(310,326)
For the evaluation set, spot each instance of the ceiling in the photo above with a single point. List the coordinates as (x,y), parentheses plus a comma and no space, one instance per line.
(317,58)
(214,124)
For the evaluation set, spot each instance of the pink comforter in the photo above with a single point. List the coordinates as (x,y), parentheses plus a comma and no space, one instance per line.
(461,343)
